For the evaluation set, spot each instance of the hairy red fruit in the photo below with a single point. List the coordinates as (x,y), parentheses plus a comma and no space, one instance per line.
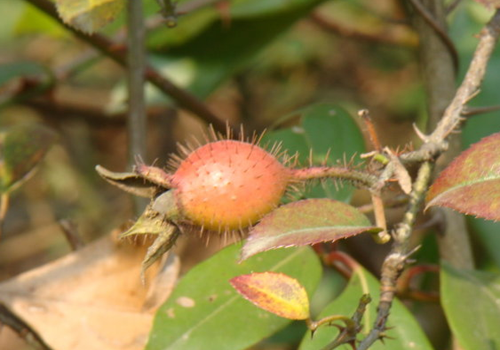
(228,185)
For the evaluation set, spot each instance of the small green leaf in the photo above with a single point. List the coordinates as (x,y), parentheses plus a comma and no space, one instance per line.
(306,222)
(471,302)
(275,292)
(405,334)
(332,135)
(22,147)
(204,312)
(471,183)
(89,15)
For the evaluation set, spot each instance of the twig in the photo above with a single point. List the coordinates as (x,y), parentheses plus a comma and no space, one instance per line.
(347,334)
(72,235)
(118,53)
(472,111)
(136,118)
(366,179)
(137,123)
(393,202)
(429,18)
(372,132)
(435,143)
(183,8)
(451,7)
(380,220)
(395,261)
(472,80)
(8,318)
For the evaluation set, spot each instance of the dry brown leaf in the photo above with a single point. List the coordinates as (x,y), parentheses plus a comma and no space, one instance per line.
(91,299)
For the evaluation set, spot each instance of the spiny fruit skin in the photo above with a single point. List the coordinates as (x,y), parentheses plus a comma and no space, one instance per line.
(228,185)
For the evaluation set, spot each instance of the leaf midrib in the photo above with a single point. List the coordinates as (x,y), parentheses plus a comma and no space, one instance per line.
(226,304)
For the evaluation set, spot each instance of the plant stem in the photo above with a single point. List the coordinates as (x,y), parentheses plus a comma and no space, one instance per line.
(395,261)
(439,80)
(433,146)
(137,124)
(136,121)
(343,173)
(117,53)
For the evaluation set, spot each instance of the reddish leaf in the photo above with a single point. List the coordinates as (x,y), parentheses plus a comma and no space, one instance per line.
(471,183)
(489,4)
(306,222)
(275,292)
(22,147)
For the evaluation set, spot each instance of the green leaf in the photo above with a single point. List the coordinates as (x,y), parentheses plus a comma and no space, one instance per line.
(205,312)
(88,15)
(306,222)
(487,234)
(15,75)
(406,333)
(218,50)
(471,303)
(193,23)
(18,70)
(252,8)
(471,183)
(328,130)
(275,292)
(22,147)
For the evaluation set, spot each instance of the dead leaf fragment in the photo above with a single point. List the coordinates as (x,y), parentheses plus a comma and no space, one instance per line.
(92,299)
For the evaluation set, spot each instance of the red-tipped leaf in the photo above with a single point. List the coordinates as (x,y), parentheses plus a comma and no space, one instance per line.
(471,183)
(274,292)
(306,222)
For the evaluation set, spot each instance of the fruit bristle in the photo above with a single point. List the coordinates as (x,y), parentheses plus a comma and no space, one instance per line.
(227,185)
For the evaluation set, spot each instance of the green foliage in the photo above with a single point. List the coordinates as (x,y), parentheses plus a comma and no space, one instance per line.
(487,234)
(205,312)
(208,48)
(470,301)
(406,333)
(329,133)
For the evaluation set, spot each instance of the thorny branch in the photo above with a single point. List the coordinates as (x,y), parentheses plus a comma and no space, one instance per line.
(433,146)
(117,53)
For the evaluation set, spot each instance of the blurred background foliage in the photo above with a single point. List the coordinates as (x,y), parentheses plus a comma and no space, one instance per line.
(254,62)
